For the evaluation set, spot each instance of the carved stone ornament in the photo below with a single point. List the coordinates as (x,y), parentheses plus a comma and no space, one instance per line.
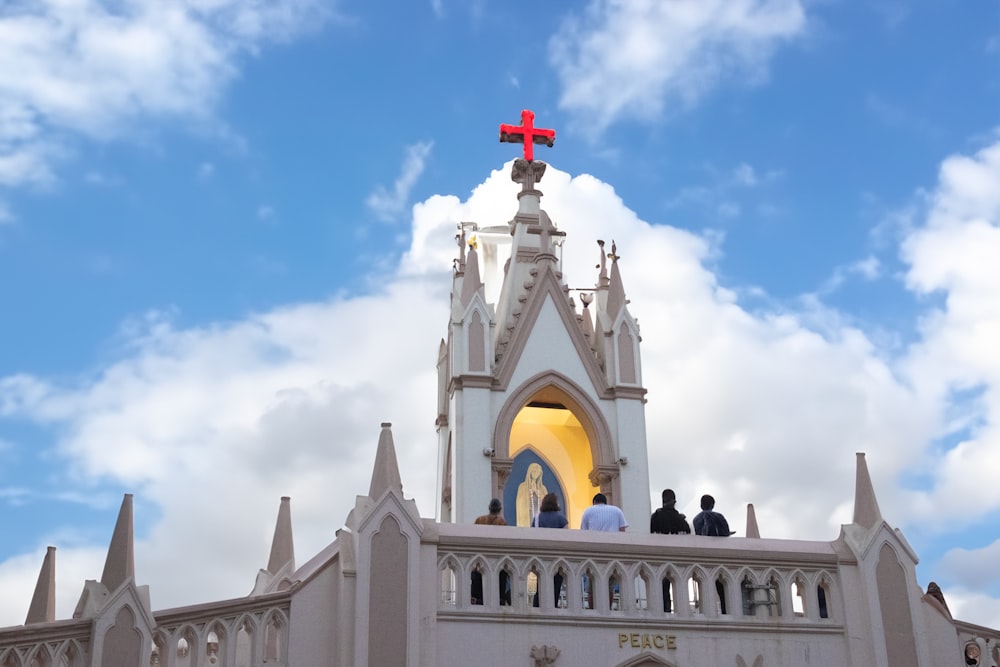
(544,655)
(527,173)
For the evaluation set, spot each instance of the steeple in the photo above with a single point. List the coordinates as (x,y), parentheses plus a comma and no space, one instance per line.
(528,381)
(752,529)
(120,563)
(385,473)
(43,602)
(616,291)
(866,511)
(471,283)
(282,548)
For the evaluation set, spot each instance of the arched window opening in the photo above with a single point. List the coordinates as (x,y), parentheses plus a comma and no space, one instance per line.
(695,594)
(668,588)
(10,660)
(641,584)
(505,584)
(449,585)
(244,645)
(183,653)
(532,587)
(822,597)
(773,597)
(273,644)
(747,593)
(615,592)
(587,585)
(798,598)
(720,591)
(476,585)
(561,595)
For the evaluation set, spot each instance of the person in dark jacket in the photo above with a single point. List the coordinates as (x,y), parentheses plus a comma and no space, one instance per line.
(667,520)
(709,522)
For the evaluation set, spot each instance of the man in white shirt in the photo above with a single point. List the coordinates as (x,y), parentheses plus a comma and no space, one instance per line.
(602,516)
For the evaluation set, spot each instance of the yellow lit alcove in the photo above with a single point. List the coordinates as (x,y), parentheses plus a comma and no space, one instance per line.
(556,434)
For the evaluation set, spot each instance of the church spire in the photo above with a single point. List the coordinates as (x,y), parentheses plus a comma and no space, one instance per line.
(119,566)
(616,291)
(282,547)
(866,511)
(43,602)
(385,473)
(471,282)
(752,529)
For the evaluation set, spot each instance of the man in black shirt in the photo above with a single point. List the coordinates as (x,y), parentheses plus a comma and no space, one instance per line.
(667,520)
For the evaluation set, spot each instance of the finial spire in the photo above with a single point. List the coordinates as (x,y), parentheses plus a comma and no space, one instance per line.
(282,547)
(866,511)
(120,563)
(43,602)
(385,473)
(616,291)
(752,529)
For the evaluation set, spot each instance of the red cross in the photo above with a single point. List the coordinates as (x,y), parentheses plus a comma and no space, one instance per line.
(526,133)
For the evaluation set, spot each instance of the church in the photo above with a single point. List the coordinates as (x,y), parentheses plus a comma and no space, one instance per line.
(539,392)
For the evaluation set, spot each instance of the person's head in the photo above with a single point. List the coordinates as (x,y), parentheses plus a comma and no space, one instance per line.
(668,497)
(495,506)
(600,499)
(550,503)
(534,473)
(707,502)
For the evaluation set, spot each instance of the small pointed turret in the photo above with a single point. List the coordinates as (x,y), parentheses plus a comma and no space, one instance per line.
(752,529)
(385,473)
(43,602)
(120,563)
(616,291)
(472,282)
(866,511)
(282,548)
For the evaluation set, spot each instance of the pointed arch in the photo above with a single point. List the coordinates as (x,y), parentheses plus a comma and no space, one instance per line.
(556,385)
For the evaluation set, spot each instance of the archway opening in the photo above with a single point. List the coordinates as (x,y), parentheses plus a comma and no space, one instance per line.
(549,442)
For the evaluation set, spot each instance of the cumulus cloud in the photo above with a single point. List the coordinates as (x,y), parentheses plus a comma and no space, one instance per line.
(388,203)
(93,67)
(211,425)
(637,59)
(954,254)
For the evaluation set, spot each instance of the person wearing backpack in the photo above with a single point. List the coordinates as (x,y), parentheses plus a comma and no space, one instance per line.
(709,522)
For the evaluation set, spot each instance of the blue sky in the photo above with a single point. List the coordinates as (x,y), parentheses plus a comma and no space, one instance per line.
(217,218)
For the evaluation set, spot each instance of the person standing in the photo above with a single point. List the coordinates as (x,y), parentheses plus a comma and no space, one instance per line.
(667,520)
(494,518)
(602,516)
(709,522)
(550,516)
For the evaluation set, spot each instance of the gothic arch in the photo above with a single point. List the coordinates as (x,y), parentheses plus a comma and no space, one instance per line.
(574,398)
(646,660)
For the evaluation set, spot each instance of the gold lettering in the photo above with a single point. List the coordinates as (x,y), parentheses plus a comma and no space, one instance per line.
(622,639)
(645,642)
(658,641)
(635,640)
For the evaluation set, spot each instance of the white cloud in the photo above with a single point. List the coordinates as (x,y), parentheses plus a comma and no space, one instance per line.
(954,254)
(974,569)
(388,204)
(93,67)
(637,59)
(288,402)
